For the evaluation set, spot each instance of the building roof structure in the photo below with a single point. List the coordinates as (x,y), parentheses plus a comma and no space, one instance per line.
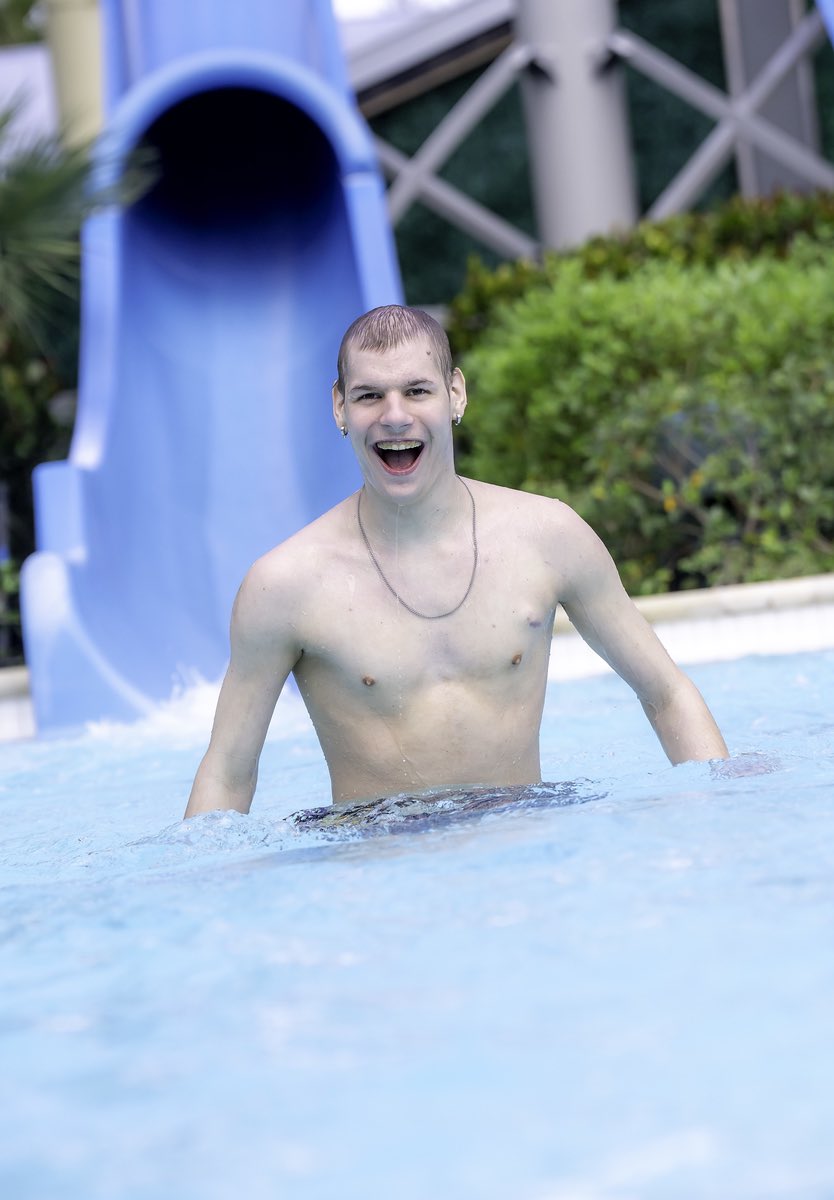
(395,49)
(404,50)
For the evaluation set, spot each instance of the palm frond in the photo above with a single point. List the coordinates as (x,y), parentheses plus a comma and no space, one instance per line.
(43,201)
(45,195)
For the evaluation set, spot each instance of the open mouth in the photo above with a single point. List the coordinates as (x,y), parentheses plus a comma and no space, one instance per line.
(399,457)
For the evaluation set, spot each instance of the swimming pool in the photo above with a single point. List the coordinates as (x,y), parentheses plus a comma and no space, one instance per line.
(621,990)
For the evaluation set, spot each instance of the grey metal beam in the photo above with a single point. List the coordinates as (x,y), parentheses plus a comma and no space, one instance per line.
(455,126)
(736,117)
(462,211)
(675,77)
(573,147)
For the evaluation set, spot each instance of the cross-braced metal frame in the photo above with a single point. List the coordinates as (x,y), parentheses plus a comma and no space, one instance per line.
(737,116)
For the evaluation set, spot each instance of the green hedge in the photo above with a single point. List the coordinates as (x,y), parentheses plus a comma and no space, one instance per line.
(687,412)
(740,229)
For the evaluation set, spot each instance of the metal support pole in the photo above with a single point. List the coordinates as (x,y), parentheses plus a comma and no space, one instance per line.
(577,125)
(74,35)
(751,33)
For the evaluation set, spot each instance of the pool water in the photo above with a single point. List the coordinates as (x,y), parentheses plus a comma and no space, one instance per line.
(618,987)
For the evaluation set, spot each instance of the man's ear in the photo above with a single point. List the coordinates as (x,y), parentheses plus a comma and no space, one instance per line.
(457,391)
(338,405)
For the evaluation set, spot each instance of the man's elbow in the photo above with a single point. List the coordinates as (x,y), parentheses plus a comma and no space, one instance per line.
(684,724)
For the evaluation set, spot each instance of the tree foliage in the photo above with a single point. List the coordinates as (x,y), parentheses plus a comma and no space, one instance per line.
(43,198)
(686,411)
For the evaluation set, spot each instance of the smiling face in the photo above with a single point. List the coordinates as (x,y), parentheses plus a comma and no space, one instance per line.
(398,409)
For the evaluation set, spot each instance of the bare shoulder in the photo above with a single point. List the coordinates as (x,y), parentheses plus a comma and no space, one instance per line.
(528,514)
(279,584)
(518,505)
(565,544)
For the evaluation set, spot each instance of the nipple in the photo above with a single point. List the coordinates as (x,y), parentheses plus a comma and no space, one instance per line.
(516,659)
(368,680)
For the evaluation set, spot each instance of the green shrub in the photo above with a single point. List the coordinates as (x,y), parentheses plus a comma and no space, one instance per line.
(740,229)
(686,412)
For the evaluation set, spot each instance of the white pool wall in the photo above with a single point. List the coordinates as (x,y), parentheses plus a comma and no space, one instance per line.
(717,624)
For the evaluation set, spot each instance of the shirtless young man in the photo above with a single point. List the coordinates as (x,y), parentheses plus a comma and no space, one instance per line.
(417,615)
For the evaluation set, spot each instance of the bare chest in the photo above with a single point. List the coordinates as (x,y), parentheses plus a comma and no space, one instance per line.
(370,645)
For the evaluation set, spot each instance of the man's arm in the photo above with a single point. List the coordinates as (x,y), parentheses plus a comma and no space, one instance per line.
(602,612)
(684,725)
(262,656)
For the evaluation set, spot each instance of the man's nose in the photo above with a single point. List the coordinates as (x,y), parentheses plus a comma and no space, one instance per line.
(395,411)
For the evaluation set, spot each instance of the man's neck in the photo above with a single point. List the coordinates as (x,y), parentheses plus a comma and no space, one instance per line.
(417,518)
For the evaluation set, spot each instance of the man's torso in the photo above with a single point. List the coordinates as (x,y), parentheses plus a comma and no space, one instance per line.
(403,703)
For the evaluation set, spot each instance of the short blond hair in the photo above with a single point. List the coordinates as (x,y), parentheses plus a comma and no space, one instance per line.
(389,326)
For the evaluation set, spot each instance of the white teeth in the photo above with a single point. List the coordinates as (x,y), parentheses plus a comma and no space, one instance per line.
(398,445)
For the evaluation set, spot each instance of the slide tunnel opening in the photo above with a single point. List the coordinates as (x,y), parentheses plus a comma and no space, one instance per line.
(235,159)
(214,304)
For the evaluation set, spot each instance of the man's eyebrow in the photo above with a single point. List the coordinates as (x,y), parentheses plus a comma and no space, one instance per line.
(378,387)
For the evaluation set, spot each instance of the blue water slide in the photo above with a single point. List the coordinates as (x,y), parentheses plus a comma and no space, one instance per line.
(212,312)
(826,8)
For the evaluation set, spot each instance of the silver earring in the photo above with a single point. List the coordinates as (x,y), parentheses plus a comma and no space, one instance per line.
(458,419)
(344,430)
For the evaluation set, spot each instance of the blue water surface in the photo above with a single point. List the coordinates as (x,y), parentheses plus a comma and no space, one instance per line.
(619,989)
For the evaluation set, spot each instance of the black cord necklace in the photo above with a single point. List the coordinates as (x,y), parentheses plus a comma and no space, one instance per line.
(393,590)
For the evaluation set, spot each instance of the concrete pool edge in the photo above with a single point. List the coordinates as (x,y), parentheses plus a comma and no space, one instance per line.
(694,626)
(719,624)
(733,600)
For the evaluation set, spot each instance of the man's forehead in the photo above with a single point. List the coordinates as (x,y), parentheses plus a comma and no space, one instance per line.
(414,358)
